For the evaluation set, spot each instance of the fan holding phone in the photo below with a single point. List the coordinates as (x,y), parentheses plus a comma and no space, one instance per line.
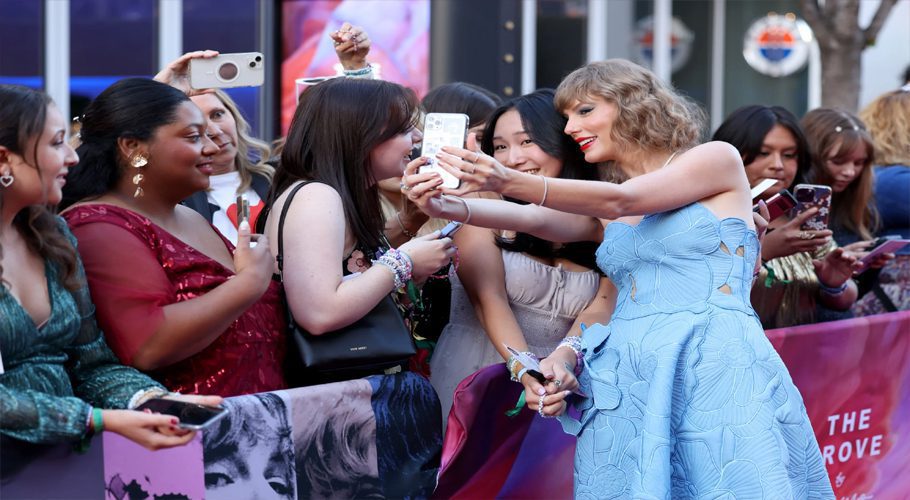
(804,278)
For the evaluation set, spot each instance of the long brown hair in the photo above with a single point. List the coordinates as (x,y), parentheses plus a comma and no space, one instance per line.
(23,113)
(832,133)
(336,126)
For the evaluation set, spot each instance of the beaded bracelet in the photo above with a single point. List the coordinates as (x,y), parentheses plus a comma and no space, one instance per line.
(833,290)
(574,342)
(399,263)
(366,70)
(513,362)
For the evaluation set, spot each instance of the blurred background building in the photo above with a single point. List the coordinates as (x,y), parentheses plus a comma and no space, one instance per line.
(75,48)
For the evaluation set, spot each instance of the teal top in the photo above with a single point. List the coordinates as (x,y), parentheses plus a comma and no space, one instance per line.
(54,374)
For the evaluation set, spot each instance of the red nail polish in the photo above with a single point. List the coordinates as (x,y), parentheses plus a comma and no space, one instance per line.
(174,421)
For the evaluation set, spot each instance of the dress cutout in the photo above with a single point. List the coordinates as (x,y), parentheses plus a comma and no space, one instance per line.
(687,397)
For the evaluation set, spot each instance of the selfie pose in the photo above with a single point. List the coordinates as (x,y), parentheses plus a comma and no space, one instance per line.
(59,381)
(804,277)
(513,288)
(683,395)
(174,297)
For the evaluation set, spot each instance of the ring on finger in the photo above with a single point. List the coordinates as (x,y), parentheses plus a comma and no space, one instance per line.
(405,188)
(805,235)
(540,406)
(557,383)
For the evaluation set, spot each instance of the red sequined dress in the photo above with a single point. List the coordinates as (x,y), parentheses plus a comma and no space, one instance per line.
(135,268)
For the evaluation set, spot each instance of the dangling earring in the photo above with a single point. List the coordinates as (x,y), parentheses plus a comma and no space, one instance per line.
(138,162)
(6,180)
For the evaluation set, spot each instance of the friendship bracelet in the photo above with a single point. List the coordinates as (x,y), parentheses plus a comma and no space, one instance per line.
(544,199)
(833,290)
(574,342)
(404,230)
(399,263)
(359,72)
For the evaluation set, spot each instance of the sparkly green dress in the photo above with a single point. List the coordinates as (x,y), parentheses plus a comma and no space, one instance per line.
(53,374)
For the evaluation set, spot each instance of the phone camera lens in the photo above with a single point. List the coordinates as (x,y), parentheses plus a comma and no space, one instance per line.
(258,58)
(252,64)
(228,71)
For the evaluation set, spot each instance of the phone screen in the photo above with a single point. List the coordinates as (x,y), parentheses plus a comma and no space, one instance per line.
(191,415)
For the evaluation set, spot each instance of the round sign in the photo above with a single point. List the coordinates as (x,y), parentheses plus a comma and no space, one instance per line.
(777,45)
(681,39)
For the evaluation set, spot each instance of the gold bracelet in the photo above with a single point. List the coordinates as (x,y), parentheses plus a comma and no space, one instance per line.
(404,229)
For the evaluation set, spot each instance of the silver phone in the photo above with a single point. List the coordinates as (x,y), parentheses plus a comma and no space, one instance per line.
(244,69)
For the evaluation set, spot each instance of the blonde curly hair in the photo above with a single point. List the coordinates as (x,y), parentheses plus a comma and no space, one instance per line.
(888,121)
(652,115)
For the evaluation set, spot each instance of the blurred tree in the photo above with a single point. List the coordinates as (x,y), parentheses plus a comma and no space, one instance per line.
(842,41)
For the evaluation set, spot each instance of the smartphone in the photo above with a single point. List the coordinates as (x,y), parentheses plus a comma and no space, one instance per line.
(779,204)
(443,129)
(243,209)
(245,69)
(887,244)
(762,186)
(450,229)
(192,416)
(809,196)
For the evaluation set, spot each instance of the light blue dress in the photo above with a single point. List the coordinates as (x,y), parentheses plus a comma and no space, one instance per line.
(687,397)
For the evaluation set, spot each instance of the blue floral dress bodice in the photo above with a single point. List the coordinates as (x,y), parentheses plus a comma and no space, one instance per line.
(686,397)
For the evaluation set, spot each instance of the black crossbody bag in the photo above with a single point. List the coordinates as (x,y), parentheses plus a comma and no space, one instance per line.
(376,342)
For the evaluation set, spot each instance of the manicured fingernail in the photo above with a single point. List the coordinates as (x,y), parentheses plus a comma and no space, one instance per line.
(566,393)
(244,225)
(541,391)
(173,428)
(174,421)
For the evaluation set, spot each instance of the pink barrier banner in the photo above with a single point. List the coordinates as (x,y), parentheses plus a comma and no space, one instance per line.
(854,376)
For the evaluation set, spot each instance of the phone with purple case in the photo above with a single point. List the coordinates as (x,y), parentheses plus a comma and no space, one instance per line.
(813,196)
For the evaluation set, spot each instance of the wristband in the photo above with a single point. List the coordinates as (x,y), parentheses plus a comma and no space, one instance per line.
(832,290)
(366,70)
(97,421)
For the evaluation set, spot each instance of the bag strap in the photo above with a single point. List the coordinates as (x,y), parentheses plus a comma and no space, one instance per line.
(284,213)
(883,298)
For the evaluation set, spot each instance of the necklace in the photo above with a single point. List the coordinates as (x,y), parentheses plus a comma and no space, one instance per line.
(669,159)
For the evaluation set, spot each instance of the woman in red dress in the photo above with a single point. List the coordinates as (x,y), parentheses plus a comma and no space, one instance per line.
(173,296)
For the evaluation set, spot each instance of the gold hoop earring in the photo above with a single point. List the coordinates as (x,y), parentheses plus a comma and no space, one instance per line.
(138,162)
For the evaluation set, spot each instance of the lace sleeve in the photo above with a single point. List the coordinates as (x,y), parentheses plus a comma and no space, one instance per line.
(38,417)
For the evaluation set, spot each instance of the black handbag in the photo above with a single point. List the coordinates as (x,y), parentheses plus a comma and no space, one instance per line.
(378,341)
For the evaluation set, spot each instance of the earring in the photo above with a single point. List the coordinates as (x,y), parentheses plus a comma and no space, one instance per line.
(138,162)
(6,180)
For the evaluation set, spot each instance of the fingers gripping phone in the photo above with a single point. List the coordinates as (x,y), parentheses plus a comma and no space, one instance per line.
(779,204)
(244,69)
(192,416)
(443,129)
(813,196)
(887,244)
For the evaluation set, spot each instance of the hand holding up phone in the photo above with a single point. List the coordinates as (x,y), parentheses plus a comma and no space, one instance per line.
(791,238)
(254,264)
(177,73)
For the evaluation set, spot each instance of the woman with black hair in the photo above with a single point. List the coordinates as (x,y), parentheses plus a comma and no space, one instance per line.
(804,276)
(59,381)
(514,288)
(174,296)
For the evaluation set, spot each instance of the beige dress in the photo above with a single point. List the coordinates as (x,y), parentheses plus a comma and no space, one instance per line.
(545,301)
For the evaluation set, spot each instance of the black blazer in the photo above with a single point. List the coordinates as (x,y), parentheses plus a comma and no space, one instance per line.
(200,203)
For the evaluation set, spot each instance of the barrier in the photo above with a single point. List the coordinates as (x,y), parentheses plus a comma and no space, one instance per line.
(378,436)
(854,376)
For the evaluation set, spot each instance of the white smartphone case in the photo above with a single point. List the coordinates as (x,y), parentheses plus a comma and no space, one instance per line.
(244,69)
(443,129)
